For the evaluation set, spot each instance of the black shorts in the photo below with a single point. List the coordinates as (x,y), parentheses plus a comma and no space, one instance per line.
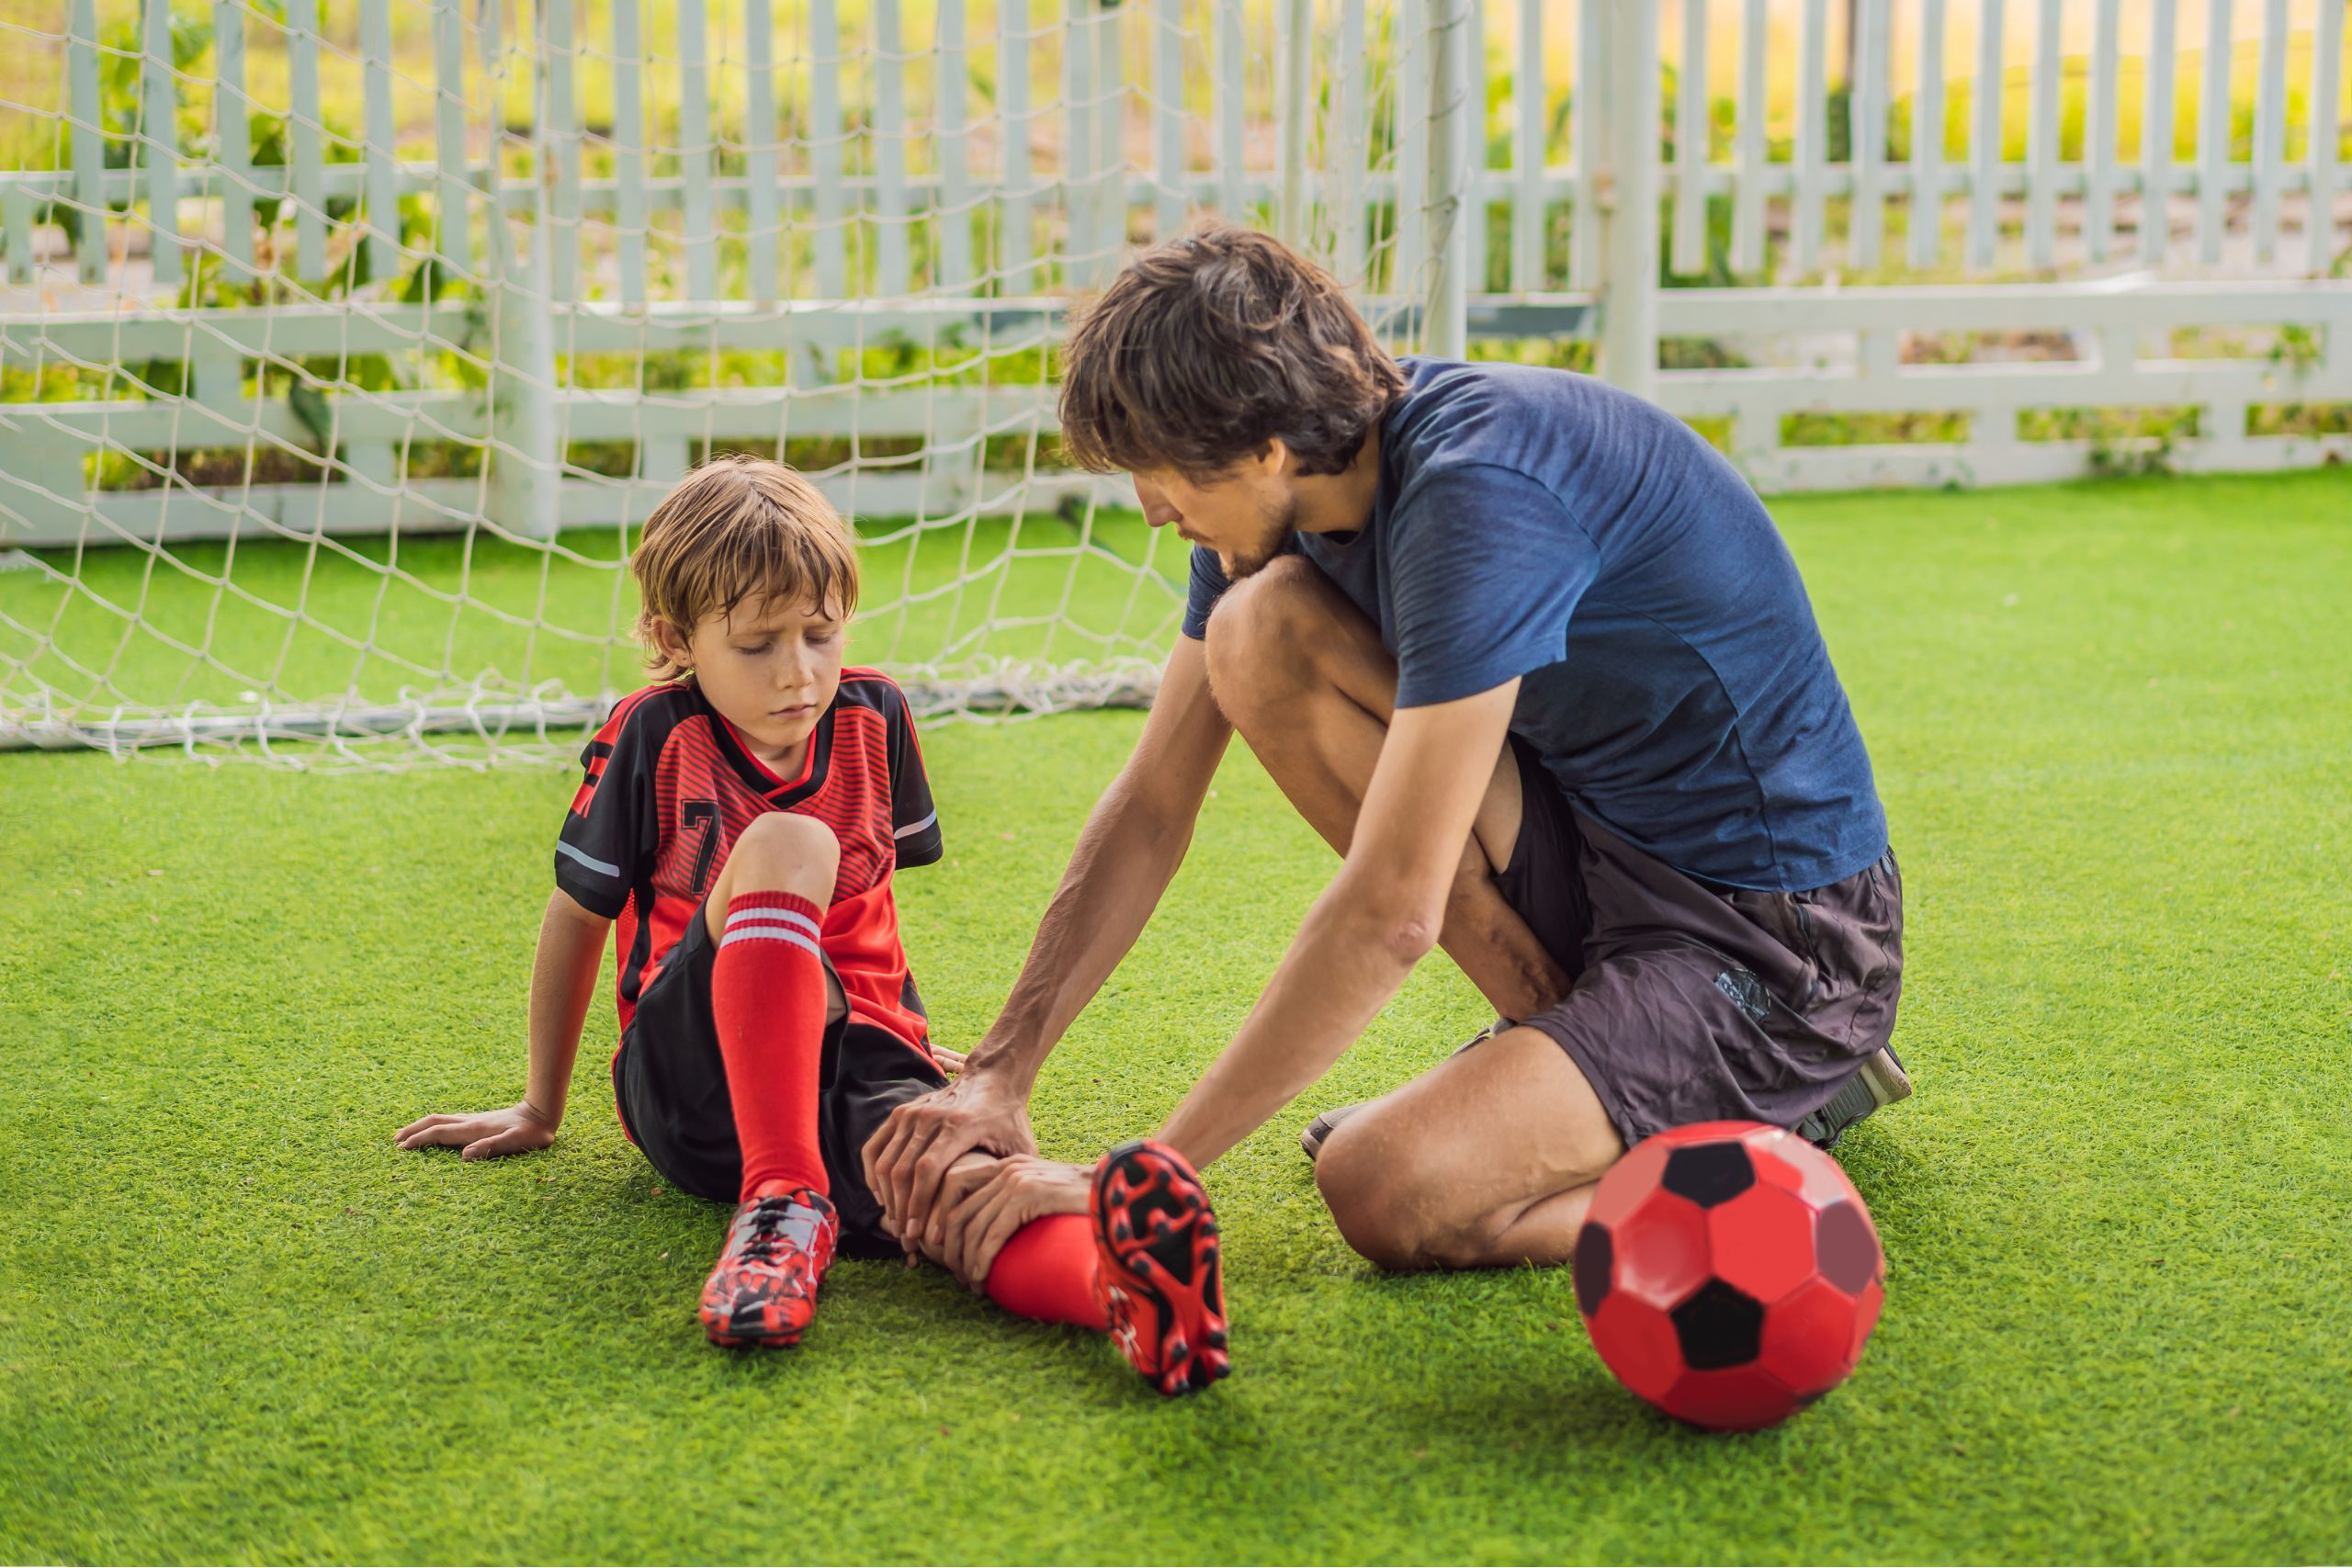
(670,1085)
(1692,1001)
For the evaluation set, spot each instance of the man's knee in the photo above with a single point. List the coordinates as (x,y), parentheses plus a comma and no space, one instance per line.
(1393,1206)
(1262,636)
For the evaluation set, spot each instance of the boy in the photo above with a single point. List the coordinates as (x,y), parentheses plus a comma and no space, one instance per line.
(740,820)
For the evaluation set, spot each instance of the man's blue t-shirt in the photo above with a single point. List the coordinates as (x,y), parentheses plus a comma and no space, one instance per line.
(1545,525)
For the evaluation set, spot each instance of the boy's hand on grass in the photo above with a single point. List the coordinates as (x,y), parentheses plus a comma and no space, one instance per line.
(517,1130)
(982,1207)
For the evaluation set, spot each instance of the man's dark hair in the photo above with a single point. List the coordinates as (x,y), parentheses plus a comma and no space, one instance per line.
(1207,347)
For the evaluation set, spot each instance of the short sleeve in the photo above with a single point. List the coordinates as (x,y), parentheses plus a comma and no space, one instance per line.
(914,820)
(1206,586)
(1485,565)
(608,832)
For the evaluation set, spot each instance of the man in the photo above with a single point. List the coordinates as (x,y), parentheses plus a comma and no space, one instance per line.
(1533,659)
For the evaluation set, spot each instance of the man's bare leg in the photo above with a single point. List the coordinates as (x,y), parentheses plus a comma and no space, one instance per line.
(1301,673)
(1490,1157)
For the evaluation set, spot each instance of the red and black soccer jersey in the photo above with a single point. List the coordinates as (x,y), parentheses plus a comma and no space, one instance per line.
(669,785)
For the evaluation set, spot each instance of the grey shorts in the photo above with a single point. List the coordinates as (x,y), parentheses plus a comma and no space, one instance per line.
(1695,1002)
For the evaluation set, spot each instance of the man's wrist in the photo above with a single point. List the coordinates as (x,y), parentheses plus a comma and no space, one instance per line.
(1006,1068)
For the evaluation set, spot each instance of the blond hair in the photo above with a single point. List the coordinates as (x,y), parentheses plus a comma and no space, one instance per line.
(735,529)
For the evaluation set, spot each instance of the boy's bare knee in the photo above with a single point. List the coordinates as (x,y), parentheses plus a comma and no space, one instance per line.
(784,848)
(787,834)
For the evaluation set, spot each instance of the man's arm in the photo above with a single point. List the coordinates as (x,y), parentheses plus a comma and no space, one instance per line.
(1126,855)
(1379,918)
(563,982)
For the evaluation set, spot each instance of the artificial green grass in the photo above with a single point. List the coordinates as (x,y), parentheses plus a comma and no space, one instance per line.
(2112,725)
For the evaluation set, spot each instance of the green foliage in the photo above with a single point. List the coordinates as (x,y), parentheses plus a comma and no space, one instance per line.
(1714,429)
(1717,270)
(121,63)
(1551,354)
(1870,429)
(2299,418)
(2123,440)
(2300,348)
(121,90)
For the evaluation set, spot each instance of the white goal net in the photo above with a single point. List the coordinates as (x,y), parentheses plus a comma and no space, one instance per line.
(345,343)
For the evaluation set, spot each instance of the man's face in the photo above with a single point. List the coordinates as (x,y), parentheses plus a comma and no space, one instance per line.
(1246,514)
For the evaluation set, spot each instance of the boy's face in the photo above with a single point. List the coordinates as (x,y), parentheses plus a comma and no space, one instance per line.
(771,668)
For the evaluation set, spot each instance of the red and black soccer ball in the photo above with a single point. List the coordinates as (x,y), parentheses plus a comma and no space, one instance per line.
(1729,1273)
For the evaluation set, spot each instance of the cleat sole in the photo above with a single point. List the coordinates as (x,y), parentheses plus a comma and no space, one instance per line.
(1164,1265)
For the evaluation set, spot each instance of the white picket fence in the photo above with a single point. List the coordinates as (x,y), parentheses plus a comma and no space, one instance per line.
(1363,133)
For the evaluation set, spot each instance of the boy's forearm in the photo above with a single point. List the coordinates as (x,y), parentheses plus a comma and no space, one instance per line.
(563,985)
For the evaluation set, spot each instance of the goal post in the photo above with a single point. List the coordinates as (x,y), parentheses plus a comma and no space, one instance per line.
(343,349)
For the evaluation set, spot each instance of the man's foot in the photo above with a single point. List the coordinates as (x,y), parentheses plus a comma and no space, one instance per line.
(1160,1270)
(764,1291)
(1319,1130)
(1882,1081)
(1325,1123)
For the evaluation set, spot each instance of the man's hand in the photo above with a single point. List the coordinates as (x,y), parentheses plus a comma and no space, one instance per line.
(517,1130)
(907,1158)
(986,1205)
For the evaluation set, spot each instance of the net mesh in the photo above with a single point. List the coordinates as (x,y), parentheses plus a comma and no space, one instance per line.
(344,353)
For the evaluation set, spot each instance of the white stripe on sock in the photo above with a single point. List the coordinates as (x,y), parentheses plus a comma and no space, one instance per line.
(770,933)
(764,915)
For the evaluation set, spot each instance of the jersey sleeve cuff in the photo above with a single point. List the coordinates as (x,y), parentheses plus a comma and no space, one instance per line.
(593,889)
(923,847)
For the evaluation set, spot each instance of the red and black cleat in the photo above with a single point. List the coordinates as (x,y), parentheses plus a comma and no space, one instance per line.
(1162,1275)
(764,1291)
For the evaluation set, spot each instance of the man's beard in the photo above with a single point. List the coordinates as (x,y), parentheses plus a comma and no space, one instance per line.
(1282,527)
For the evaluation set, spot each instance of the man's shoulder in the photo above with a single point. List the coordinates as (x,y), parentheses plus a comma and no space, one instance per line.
(1468,418)
(1467,391)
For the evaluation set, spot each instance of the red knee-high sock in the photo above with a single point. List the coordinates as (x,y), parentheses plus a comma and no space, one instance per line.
(767,994)
(1046,1271)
